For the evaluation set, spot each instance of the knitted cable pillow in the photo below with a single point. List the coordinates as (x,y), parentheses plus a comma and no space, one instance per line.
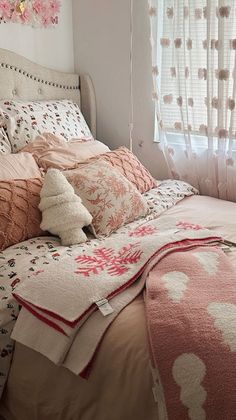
(20,217)
(129,165)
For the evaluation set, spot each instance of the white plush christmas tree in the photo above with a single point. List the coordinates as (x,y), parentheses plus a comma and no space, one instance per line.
(63,213)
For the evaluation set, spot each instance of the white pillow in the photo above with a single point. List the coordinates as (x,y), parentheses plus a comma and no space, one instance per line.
(26,120)
(5,146)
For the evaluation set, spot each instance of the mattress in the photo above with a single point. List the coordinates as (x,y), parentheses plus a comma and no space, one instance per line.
(120,385)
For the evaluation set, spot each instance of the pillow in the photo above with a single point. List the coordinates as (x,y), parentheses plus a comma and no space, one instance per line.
(110,198)
(20,217)
(129,165)
(20,166)
(51,151)
(26,120)
(63,214)
(5,146)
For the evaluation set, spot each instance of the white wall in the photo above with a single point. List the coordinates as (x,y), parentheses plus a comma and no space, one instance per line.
(101,40)
(50,47)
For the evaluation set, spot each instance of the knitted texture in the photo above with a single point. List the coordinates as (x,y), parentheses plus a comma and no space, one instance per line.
(63,213)
(129,165)
(20,217)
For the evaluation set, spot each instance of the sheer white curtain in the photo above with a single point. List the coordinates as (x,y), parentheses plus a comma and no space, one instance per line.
(194,75)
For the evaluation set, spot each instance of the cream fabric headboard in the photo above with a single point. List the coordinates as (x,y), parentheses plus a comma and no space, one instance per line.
(20,79)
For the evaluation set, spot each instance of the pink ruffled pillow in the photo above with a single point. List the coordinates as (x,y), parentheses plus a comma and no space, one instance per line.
(110,198)
(51,151)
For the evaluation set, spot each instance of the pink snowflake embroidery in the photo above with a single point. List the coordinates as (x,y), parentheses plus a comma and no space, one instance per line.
(143,231)
(116,263)
(188,226)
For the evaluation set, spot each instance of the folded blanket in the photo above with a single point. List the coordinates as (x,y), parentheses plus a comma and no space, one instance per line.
(77,345)
(191,313)
(86,281)
(75,352)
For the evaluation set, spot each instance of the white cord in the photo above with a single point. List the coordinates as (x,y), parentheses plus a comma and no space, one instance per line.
(131,116)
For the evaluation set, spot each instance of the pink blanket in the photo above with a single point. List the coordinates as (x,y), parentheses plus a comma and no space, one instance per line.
(191,314)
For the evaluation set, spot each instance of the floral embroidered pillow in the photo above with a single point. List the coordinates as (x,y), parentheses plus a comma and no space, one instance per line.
(26,120)
(110,198)
(129,165)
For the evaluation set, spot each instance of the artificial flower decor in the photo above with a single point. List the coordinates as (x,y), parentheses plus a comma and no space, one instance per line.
(32,12)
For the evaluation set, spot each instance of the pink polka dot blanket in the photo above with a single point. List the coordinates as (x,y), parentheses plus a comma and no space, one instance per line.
(191,315)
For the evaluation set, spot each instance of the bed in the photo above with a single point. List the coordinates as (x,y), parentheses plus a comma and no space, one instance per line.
(121,382)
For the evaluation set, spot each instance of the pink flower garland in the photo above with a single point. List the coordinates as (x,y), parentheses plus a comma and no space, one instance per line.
(35,12)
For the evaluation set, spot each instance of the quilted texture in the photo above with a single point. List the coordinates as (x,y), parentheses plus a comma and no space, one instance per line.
(20,217)
(129,165)
(110,198)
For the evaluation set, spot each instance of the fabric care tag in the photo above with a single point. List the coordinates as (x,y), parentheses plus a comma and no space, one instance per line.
(104,307)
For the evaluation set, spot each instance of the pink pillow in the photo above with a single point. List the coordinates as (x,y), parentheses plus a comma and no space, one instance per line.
(129,165)
(110,198)
(18,166)
(20,217)
(51,151)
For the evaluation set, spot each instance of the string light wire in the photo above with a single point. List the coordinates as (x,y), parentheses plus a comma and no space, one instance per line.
(131,114)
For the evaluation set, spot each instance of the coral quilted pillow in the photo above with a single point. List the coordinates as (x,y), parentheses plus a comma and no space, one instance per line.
(20,217)
(129,165)
(110,198)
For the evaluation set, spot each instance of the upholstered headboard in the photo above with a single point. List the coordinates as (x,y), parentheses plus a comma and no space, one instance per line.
(20,79)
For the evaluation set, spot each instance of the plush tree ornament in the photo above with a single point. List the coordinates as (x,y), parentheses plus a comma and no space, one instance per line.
(63,213)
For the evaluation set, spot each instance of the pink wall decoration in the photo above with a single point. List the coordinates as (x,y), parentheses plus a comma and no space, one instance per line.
(38,13)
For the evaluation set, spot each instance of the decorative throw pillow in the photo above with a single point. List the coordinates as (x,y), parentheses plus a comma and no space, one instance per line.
(129,165)
(20,217)
(110,198)
(26,120)
(63,214)
(51,151)
(18,166)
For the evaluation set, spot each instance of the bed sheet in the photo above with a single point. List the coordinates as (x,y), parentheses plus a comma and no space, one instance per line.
(120,385)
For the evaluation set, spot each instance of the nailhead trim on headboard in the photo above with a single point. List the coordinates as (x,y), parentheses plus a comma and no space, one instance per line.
(37,79)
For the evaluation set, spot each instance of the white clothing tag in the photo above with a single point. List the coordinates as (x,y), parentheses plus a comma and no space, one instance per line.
(104,307)
(226,248)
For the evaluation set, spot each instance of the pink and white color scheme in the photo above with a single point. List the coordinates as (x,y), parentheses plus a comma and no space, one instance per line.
(100,271)
(193,69)
(28,258)
(31,12)
(106,271)
(191,313)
